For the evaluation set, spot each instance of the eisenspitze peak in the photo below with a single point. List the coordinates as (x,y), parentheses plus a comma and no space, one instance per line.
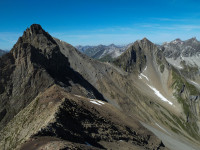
(36,32)
(35,37)
(35,28)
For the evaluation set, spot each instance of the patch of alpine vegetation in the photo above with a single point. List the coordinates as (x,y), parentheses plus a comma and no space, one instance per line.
(189,71)
(188,96)
(106,58)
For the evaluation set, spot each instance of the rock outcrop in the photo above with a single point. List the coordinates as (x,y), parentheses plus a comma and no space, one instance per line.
(57,114)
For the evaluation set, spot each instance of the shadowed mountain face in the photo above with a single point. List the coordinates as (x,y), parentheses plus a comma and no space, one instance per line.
(34,64)
(50,93)
(134,59)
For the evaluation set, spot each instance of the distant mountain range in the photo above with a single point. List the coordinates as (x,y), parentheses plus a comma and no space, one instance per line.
(180,54)
(2,52)
(184,55)
(103,52)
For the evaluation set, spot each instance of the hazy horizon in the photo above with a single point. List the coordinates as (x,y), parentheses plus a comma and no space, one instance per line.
(101,22)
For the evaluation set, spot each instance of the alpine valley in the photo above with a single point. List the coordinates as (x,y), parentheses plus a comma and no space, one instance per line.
(54,97)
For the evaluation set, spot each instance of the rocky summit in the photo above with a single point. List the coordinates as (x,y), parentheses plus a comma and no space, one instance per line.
(54,97)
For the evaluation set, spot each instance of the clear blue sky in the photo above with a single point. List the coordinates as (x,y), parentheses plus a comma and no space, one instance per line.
(92,22)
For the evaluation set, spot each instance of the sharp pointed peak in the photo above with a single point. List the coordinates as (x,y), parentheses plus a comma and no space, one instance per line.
(144,39)
(142,42)
(35,29)
(35,26)
(34,36)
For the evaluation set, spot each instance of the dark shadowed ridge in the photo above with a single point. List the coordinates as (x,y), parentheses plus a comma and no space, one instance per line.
(34,64)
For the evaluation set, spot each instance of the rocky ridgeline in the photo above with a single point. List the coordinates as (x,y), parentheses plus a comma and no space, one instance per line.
(179,48)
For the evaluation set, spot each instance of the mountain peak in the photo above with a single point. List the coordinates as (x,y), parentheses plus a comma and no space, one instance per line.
(36,36)
(144,39)
(34,31)
(193,39)
(35,28)
(135,57)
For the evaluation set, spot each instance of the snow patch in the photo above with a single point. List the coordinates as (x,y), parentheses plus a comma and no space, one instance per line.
(94,102)
(160,95)
(144,76)
(78,96)
(97,102)
(180,67)
(145,68)
(177,66)
(139,77)
(101,102)
(117,54)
